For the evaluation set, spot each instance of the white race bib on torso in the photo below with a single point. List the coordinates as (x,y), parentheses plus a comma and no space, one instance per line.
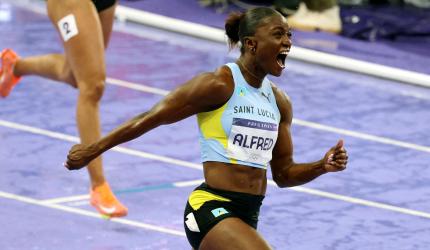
(252,141)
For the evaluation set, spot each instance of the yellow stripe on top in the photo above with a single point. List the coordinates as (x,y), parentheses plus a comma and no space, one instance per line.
(199,197)
(211,125)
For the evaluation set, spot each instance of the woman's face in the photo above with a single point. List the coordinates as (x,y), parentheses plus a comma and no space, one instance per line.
(273,42)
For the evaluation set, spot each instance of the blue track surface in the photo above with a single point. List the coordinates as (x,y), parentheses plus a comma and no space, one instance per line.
(379,171)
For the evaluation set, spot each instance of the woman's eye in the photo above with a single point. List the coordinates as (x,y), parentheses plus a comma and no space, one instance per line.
(279,34)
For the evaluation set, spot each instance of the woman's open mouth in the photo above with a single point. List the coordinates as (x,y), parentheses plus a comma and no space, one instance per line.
(280,58)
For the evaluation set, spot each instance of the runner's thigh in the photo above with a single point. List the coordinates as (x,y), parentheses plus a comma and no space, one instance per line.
(232,233)
(80,30)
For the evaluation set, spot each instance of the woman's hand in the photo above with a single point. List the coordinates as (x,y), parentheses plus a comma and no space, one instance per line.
(79,156)
(336,158)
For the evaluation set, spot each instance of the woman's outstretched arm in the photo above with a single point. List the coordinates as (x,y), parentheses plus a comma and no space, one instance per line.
(203,93)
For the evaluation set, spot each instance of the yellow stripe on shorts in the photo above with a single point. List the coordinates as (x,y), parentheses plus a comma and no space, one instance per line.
(199,197)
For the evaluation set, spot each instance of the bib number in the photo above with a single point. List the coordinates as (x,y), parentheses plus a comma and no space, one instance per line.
(252,141)
(68,28)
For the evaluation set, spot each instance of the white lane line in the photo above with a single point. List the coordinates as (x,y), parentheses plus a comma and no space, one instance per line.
(358,201)
(38,131)
(157,157)
(158,91)
(299,122)
(75,199)
(297,189)
(119,149)
(77,203)
(142,154)
(91,214)
(363,136)
(124,13)
(135,86)
(198,166)
(66,199)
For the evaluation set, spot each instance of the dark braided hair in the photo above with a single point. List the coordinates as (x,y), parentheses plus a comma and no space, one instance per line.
(240,25)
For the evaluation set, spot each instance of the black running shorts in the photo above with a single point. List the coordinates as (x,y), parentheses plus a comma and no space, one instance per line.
(207,206)
(103,4)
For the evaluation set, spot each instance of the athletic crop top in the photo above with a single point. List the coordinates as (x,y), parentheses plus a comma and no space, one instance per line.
(244,130)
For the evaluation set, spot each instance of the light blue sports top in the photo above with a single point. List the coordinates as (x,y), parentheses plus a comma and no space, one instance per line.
(244,130)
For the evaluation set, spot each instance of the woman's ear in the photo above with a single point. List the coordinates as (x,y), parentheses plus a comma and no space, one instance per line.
(250,45)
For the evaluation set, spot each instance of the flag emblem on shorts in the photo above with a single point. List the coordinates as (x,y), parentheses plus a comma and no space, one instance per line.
(219,211)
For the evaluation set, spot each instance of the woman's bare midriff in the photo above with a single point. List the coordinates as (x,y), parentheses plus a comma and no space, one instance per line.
(237,178)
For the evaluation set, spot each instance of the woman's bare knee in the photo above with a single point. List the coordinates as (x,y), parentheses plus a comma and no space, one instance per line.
(91,91)
(85,67)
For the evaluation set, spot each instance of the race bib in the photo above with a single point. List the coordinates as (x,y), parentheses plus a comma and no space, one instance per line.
(252,141)
(68,28)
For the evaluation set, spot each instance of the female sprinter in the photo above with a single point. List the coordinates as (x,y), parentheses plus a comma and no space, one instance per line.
(244,122)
